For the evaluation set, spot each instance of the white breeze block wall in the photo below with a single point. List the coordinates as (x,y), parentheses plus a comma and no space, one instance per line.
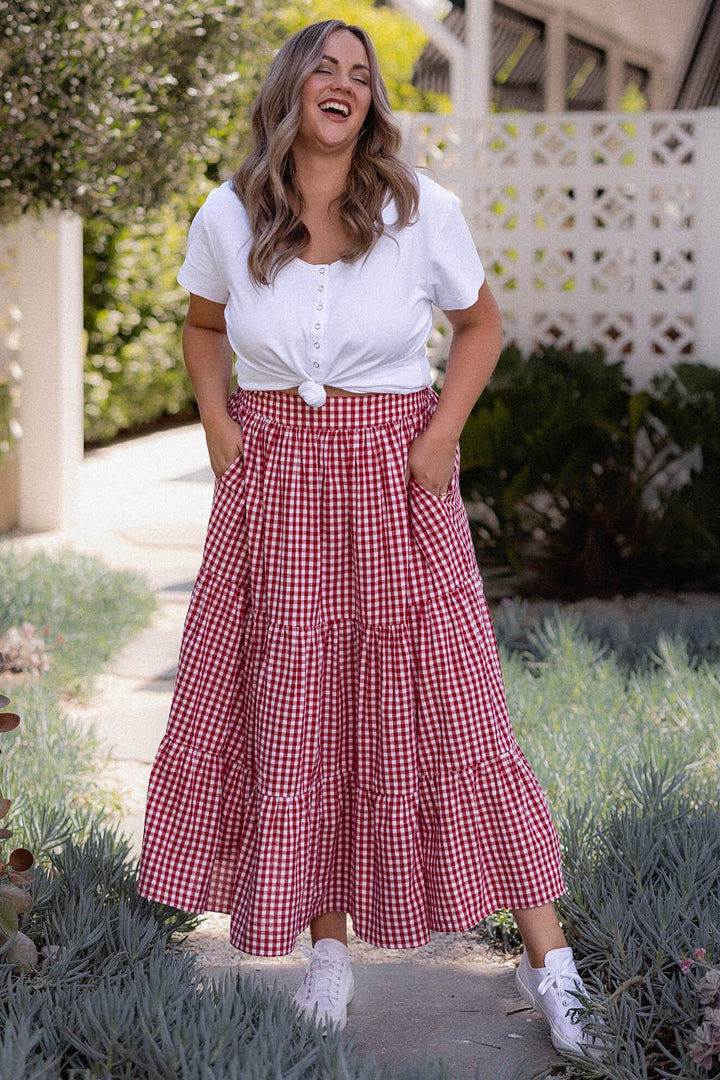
(596,229)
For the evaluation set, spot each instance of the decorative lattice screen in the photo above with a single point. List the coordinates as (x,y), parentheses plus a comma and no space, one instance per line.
(586,223)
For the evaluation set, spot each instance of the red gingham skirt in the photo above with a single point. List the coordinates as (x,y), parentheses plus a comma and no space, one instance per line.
(339,738)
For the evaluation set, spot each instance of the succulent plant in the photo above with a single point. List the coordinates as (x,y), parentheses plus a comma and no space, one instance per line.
(23,649)
(705,1044)
(14,900)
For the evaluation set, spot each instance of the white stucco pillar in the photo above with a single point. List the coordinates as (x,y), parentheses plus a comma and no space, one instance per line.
(51,408)
(446,42)
(478,47)
(555,61)
(615,77)
(707,330)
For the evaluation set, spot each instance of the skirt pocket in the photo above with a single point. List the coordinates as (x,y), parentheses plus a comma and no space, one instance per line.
(225,551)
(439,528)
(233,475)
(452,486)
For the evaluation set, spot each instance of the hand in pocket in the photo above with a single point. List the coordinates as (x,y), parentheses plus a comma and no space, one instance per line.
(431,463)
(224,443)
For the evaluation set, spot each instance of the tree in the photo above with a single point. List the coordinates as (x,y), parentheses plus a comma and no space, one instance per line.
(105,105)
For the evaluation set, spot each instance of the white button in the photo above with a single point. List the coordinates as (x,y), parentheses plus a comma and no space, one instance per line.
(317,344)
(317,325)
(322,269)
(321,288)
(319,307)
(315,364)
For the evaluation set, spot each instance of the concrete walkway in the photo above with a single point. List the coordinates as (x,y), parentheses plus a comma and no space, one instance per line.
(143,504)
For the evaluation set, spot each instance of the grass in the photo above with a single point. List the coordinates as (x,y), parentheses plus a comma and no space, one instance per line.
(90,611)
(86,610)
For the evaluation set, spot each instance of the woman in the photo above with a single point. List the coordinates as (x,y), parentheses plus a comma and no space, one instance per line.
(339,740)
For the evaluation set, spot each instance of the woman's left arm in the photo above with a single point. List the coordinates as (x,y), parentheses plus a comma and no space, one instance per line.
(474,350)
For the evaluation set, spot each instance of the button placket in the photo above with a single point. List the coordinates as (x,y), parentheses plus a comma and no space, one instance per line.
(318,317)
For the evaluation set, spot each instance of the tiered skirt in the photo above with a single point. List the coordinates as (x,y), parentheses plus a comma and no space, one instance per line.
(339,737)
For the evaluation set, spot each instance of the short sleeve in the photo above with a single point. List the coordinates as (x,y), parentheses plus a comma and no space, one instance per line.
(201,273)
(454,271)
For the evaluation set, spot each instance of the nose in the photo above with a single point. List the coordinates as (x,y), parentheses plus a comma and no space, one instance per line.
(343,80)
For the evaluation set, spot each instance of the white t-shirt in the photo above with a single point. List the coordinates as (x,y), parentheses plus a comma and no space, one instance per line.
(359,326)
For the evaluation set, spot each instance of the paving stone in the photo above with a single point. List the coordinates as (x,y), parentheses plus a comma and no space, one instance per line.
(468,1015)
(153,653)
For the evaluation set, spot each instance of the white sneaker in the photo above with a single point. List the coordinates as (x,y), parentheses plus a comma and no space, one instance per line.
(552,990)
(328,985)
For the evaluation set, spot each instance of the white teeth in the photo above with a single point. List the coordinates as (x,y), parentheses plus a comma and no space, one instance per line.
(339,106)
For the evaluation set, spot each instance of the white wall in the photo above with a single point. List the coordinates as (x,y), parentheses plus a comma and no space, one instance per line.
(596,229)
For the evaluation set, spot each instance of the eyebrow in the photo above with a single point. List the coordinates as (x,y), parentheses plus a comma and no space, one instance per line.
(334,61)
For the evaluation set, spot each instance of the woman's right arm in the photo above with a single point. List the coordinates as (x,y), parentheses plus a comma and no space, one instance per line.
(208,359)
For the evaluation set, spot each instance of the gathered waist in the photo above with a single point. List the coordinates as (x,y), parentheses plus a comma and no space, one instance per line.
(341,411)
(330,391)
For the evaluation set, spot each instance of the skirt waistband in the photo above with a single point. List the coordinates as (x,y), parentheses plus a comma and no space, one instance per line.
(362,411)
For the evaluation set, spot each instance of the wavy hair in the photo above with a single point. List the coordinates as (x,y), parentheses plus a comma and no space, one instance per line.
(266,183)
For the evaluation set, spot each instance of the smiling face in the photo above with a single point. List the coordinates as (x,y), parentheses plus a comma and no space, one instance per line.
(336,98)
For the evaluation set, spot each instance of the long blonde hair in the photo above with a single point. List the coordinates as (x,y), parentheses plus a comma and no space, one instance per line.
(266,183)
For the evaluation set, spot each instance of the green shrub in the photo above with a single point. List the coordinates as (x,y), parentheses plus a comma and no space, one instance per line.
(139,105)
(627,745)
(116,999)
(687,402)
(585,723)
(588,488)
(134,310)
(48,762)
(635,639)
(595,701)
(9,396)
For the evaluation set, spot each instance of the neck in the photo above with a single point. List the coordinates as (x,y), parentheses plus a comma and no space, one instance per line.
(321,177)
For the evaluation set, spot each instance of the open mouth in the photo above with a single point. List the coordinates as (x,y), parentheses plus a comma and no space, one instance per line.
(335,108)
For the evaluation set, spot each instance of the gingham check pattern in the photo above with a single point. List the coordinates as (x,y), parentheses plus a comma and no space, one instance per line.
(339,738)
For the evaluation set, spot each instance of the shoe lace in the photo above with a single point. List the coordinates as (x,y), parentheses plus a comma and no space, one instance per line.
(565,980)
(323,975)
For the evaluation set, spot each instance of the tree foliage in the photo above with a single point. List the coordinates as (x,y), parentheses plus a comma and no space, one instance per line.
(106,105)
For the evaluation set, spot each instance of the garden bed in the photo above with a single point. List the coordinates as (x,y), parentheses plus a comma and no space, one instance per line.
(621,720)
